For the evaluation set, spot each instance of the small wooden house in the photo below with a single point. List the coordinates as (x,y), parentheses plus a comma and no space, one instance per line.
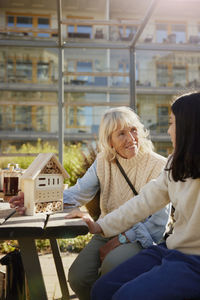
(43,185)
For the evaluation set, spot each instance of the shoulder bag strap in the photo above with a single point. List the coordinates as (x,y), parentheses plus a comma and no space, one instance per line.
(126,177)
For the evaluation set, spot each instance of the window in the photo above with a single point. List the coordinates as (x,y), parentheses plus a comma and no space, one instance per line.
(43,71)
(28,24)
(43,23)
(19,70)
(24,70)
(161,33)
(162,119)
(85,29)
(123,69)
(2,71)
(127,32)
(180,31)
(11,21)
(24,21)
(171,75)
(171,33)
(179,76)
(22,118)
(10,71)
(80,116)
(39,118)
(162,75)
(85,67)
(82,72)
(79,31)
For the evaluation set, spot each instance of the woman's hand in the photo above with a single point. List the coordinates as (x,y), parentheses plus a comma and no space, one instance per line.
(109,246)
(93,226)
(76,213)
(18,203)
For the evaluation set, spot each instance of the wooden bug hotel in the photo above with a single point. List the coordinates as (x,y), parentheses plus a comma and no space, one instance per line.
(43,185)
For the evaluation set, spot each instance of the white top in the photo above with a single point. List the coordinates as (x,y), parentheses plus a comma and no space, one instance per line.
(185,198)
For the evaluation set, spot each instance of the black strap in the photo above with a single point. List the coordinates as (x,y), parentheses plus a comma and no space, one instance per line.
(126,177)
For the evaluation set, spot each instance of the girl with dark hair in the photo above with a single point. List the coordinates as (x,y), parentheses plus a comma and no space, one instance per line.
(170,270)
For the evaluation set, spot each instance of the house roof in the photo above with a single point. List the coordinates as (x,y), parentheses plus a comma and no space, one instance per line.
(39,163)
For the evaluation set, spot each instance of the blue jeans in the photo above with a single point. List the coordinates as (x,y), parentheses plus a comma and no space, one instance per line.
(156,273)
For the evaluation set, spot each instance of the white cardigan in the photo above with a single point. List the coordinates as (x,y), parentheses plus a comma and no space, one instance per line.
(185,198)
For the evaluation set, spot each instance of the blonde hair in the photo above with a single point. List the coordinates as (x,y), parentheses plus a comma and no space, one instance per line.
(124,117)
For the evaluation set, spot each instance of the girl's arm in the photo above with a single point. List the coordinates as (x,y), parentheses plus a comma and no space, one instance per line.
(153,197)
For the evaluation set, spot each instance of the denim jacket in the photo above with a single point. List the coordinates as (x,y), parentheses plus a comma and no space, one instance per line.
(147,232)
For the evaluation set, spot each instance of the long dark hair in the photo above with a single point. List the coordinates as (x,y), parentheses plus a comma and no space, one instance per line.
(185,161)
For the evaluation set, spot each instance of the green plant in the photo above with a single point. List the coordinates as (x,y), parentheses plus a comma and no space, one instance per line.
(75,244)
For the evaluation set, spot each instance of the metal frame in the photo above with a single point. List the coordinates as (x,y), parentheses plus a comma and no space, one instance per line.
(132,74)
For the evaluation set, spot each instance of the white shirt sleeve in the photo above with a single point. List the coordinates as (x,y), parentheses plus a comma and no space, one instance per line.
(85,188)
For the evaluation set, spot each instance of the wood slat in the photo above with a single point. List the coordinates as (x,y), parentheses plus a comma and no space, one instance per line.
(22,226)
(58,226)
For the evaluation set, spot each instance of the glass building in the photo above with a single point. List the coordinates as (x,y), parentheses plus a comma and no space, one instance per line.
(96,40)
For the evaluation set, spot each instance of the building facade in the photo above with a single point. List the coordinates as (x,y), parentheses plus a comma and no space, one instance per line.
(96,36)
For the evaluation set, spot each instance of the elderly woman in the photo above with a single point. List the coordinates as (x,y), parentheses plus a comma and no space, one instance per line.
(123,139)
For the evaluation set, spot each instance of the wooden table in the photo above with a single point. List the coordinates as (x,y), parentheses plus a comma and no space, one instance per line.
(26,229)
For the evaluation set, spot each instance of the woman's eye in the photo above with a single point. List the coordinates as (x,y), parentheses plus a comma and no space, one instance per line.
(134,130)
(121,133)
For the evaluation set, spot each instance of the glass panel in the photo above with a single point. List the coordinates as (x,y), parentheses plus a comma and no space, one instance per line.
(10,70)
(44,34)
(24,21)
(127,32)
(2,71)
(179,76)
(43,23)
(70,28)
(70,116)
(100,81)
(122,80)
(84,116)
(23,118)
(43,71)
(161,33)
(85,30)
(163,118)
(40,119)
(24,70)
(162,75)
(1,117)
(86,97)
(84,67)
(70,66)
(180,31)
(5,117)
(10,21)
(122,99)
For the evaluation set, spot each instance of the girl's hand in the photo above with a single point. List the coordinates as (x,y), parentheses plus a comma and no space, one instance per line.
(76,213)
(93,226)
